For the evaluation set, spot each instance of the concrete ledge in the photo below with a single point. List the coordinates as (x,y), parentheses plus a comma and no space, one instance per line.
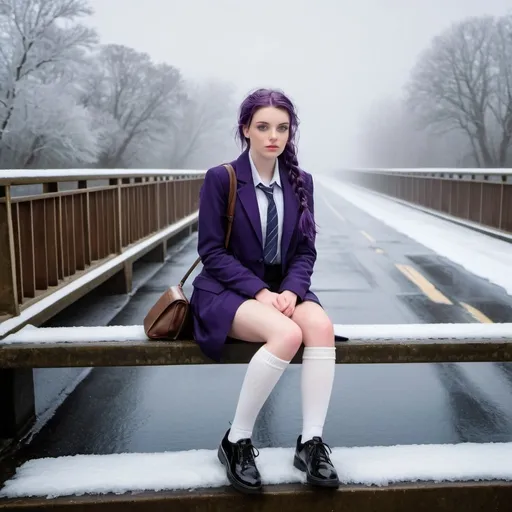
(428,497)
(148,353)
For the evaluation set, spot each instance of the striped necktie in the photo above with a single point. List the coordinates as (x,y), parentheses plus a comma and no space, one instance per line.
(270,250)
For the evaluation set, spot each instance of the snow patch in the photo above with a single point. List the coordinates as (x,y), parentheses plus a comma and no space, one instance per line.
(376,465)
(135,333)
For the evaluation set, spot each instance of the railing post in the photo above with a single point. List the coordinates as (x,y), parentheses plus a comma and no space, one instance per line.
(157,189)
(118,217)
(481,213)
(502,191)
(8,289)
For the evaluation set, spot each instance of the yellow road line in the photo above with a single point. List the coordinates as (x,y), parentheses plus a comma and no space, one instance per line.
(369,237)
(423,284)
(476,314)
(334,210)
(419,280)
(378,250)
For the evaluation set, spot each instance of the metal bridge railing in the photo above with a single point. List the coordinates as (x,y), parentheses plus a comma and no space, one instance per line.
(482,196)
(55,225)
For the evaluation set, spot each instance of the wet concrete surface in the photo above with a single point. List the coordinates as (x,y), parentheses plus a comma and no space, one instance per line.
(181,408)
(488,298)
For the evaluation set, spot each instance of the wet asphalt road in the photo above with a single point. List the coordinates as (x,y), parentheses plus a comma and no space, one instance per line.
(359,282)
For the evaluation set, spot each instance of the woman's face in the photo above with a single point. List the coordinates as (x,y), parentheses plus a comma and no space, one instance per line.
(268,131)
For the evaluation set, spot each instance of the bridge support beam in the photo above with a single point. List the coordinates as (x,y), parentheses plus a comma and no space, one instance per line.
(17,402)
(420,497)
(120,283)
(159,353)
(157,254)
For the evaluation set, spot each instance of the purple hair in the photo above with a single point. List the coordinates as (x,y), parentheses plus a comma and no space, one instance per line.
(274,98)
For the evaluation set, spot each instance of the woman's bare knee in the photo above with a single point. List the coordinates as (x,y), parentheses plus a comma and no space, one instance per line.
(286,339)
(257,322)
(317,328)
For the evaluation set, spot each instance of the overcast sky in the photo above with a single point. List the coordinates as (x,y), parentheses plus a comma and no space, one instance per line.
(333,57)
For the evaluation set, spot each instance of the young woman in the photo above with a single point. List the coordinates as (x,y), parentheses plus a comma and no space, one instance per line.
(257,290)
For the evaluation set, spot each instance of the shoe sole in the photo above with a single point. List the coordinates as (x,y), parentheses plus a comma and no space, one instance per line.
(317,482)
(234,482)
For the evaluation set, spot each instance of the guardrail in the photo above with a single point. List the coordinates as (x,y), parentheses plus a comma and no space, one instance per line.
(482,196)
(76,220)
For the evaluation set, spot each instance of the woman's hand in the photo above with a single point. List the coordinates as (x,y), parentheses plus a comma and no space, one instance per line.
(286,302)
(265,296)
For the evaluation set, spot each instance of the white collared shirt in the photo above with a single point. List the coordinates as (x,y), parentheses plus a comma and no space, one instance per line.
(263,204)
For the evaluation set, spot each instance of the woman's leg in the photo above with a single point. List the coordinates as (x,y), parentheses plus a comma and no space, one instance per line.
(256,322)
(318,366)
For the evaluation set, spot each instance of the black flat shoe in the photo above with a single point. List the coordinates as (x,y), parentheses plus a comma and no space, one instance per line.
(312,458)
(238,459)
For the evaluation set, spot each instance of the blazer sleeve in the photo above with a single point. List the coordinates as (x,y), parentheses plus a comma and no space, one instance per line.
(212,223)
(300,269)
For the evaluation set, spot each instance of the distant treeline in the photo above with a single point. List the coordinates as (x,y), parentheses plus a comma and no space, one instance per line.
(456,110)
(68,101)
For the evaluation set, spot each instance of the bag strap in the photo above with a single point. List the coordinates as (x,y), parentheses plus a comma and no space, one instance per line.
(230,216)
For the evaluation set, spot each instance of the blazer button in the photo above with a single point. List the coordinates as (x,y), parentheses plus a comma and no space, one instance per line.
(260,260)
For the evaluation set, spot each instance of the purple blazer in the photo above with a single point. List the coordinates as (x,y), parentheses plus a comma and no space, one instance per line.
(229,277)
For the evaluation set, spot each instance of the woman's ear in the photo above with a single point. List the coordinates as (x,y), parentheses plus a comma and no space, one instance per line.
(246,131)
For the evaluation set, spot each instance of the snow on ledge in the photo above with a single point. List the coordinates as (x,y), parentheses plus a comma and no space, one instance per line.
(457,171)
(13,176)
(456,331)
(400,332)
(60,293)
(379,465)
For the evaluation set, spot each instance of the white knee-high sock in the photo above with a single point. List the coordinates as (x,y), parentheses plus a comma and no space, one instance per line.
(263,373)
(318,365)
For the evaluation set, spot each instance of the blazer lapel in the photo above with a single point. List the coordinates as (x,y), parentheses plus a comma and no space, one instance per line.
(247,193)
(291,208)
(247,196)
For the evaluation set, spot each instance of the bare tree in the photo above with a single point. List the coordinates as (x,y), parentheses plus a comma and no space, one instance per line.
(66,101)
(50,129)
(501,99)
(33,39)
(141,97)
(390,138)
(203,132)
(462,83)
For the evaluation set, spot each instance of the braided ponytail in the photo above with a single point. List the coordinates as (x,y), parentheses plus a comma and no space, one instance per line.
(306,222)
(274,98)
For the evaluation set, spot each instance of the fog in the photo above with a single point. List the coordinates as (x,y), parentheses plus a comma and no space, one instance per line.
(335,58)
(377,83)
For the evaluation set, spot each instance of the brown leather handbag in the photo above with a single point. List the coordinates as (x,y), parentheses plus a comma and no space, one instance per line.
(170,317)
